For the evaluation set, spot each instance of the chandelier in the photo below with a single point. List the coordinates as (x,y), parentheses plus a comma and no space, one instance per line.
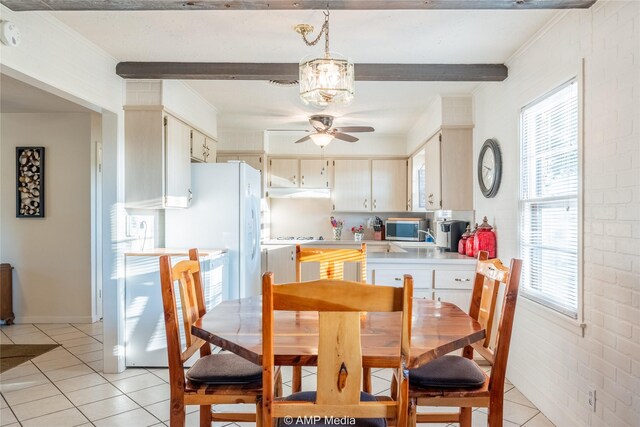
(326,80)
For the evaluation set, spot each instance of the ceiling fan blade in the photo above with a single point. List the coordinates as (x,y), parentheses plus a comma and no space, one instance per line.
(303,139)
(344,137)
(354,129)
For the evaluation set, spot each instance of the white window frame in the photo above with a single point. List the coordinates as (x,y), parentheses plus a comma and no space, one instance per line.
(537,306)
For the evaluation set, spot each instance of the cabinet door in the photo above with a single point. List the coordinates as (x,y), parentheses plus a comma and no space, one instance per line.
(456,154)
(198,146)
(178,163)
(283,173)
(352,185)
(253,160)
(432,173)
(282,263)
(416,190)
(211,145)
(314,173)
(389,185)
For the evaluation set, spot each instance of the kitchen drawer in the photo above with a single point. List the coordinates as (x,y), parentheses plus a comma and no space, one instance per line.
(393,277)
(454,279)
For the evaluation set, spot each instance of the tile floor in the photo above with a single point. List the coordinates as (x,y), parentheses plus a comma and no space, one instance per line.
(67,386)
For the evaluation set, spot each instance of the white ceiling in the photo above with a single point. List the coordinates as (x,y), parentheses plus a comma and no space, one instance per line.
(20,97)
(485,36)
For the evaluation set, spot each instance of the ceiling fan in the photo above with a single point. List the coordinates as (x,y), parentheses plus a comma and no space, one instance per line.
(324,133)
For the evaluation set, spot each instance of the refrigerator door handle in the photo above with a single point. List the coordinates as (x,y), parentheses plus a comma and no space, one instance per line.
(254,234)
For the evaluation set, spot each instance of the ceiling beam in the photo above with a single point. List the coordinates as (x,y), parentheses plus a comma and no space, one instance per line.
(61,5)
(280,71)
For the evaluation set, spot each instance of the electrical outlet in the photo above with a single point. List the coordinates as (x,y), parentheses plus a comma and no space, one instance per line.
(592,399)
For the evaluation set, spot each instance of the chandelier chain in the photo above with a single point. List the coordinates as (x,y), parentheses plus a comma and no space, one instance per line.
(324,30)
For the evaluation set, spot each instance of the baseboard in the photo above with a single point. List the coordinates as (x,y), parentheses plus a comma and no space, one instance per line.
(53,319)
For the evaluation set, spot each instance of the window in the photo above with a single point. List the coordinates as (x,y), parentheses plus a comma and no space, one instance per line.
(549,200)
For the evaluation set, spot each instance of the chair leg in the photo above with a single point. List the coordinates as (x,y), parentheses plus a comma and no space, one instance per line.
(495,416)
(366,380)
(259,413)
(394,387)
(465,417)
(296,380)
(277,391)
(177,414)
(413,413)
(205,416)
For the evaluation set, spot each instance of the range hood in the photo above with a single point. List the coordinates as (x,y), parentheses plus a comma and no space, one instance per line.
(298,193)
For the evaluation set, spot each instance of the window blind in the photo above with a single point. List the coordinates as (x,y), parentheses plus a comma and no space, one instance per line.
(549,200)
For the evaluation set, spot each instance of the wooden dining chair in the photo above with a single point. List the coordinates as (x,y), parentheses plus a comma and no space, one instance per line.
(338,394)
(332,264)
(457,381)
(213,378)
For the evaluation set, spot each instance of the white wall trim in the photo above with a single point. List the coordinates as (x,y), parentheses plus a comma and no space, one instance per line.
(54,319)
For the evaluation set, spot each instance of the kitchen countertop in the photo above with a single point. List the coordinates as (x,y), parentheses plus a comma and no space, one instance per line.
(174,252)
(403,252)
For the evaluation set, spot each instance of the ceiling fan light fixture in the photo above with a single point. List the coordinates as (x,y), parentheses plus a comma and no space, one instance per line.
(321,139)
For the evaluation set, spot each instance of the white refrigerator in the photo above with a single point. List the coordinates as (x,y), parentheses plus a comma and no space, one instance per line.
(224,213)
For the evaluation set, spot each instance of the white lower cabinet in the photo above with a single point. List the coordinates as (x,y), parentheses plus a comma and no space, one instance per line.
(440,282)
(281,261)
(145,338)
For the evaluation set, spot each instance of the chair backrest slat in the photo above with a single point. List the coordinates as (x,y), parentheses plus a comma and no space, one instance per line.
(339,304)
(332,261)
(190,290)
(493,279)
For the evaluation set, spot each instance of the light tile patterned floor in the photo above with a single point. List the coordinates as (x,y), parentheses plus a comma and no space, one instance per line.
(67,387)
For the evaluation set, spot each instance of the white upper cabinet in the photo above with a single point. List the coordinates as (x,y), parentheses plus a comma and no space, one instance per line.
(432,174)
(283,173)
(314,173)
(157,160)
(178,163)
(352,185)
(449,170)
(203,148)
(389,185)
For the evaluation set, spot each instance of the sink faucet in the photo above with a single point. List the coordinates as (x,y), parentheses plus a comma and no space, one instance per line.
(427,233)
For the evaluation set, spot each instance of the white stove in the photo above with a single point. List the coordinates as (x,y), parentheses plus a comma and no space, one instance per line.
(298,238)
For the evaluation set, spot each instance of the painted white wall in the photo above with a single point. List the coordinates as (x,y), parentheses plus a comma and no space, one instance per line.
(241,141)
(370,144)
(176,97)
(51,255)
(550,362)
(55,58)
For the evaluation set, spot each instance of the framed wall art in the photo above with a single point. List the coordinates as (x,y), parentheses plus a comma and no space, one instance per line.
(30,182)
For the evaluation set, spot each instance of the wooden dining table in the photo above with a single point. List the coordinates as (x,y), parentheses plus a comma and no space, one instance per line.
(437,328)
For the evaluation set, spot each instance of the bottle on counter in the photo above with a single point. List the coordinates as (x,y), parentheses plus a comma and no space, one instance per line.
(468,249)
(485,239)
(463,241)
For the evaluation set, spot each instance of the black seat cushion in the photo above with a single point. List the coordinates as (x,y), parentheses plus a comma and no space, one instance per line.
(226,368)
(448,372)
(310,396)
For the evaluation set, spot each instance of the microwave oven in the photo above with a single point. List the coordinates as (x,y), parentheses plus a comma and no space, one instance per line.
(407,229)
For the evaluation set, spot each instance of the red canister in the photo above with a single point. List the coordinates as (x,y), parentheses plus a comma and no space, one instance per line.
(485,239)
(463,241)
(468,244)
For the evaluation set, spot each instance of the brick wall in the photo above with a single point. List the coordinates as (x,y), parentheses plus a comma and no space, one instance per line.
(551,361)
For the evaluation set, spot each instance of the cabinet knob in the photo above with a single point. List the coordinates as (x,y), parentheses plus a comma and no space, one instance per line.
(294,179)
(190,195)
(457,279)
(365,203)
(398,279)
(292,256)
(302,180)
(374,203)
